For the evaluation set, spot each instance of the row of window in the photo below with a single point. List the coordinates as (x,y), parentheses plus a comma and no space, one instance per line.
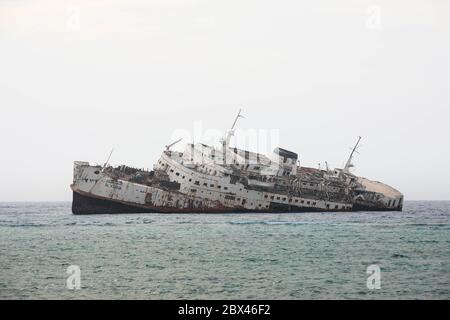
(230,197)
(198,182)
(290,200)
(313,203)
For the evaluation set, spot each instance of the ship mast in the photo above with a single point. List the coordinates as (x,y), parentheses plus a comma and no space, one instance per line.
(229,134)
(107,160)
(349,164)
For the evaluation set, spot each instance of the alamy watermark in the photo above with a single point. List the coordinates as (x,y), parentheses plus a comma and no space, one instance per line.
(213,144)
(374,279)
(73,18)
(373,21)
(263,140)
(74,280)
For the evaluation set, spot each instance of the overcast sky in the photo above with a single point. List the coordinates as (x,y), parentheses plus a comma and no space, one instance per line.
(78,78)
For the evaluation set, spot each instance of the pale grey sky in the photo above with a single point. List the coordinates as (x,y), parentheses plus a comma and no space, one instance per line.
(80,77)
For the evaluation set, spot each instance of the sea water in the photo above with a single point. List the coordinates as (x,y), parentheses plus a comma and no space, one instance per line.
(224,256)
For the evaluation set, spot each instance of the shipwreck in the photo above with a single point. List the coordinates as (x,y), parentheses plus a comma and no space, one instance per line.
(207,179)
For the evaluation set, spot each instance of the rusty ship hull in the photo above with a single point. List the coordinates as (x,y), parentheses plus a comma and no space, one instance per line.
(84,203)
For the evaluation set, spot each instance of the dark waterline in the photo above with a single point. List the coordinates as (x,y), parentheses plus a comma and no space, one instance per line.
(224,256)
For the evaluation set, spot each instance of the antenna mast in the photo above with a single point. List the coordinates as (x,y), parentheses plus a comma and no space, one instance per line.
(107,160)
(235,120)
(349,164)
(229,134)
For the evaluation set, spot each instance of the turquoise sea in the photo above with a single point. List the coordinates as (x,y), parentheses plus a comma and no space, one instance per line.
(224,256)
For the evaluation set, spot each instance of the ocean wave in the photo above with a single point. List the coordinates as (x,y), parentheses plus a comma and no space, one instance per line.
(272,222)
(23,225)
